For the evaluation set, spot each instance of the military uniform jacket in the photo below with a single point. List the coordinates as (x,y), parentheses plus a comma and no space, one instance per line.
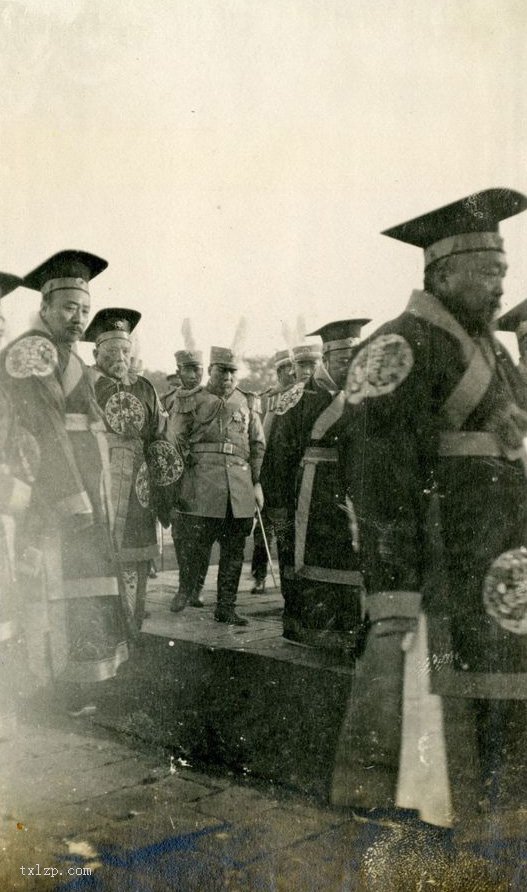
(134,420)
(433,433)
(301,481)
(223,446)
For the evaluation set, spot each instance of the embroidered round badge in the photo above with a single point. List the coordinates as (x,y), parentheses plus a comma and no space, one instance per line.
(165,463)
(505,591)
(379,368)
(289,398)
(142,486)
(124,412)
(32,355)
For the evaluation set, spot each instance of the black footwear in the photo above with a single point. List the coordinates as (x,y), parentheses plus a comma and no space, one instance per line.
(179,602)
(196,602)
(258,587)
(232,619)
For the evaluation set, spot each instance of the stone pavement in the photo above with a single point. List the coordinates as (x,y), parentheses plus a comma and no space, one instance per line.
(106,816)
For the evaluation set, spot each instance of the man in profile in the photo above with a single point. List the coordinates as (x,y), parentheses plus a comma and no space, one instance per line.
(435,426)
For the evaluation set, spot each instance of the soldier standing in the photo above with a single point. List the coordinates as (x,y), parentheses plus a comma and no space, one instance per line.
(283,364)
(220,434)
(436,409)
(134,421)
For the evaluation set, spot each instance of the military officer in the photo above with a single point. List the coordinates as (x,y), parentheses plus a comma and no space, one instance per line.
(186,380)
(306,358)
(134,421)
(189,374)
(220,434)
(302,486)
(436,410)
(283,364)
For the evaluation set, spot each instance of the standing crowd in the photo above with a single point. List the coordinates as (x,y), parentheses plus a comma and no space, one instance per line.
(391,472)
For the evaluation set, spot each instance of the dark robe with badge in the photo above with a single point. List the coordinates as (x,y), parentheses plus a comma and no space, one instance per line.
(134,420)
(18,466)
(434,463)
(300,477)
(73,621)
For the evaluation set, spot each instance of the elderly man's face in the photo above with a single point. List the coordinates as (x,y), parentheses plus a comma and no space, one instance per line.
(113,357)
(222,379)
(190,375)
(472,286)
(66,314)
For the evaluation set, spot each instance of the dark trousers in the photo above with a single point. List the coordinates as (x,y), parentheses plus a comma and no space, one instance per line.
(200,562)
(199,535)
(259,559)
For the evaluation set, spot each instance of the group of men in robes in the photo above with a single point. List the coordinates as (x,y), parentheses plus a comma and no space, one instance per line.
(392,474)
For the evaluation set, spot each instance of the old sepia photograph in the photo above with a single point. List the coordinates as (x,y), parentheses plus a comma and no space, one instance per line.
(263,446)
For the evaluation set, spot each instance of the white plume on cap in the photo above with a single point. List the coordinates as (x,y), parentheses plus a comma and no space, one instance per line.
(188,337)
(240,336)
(288,335)
(300,330)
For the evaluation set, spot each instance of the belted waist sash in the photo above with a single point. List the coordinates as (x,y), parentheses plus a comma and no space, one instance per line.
(77,421)
(317,454)
(222,448)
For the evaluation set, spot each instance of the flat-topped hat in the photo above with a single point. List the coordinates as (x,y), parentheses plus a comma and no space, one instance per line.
(70,269)
(470,224)
(340,335)
(224,356)
(189,357)
(304,352)
(281,358)
(514,320)
(111,323)
(8,283)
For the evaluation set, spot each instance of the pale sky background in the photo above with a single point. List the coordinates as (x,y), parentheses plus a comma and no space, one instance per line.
(242,156)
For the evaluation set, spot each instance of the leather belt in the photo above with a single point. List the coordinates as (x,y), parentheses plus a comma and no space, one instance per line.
(469,443)
(223,448)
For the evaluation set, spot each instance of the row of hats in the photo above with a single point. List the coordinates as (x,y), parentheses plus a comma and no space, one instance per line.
(470,224)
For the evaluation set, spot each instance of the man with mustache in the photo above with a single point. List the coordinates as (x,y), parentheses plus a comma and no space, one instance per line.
(220,434)
(434,463)
(73,620)
(134,423)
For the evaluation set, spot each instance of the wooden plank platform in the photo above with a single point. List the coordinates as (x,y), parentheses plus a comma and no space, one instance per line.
(262,637)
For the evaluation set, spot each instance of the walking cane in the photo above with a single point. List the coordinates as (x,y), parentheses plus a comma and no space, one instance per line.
(259,513)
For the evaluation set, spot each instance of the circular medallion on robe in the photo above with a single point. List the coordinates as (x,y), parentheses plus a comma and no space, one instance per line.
(142,486)
(124,412)
(505,591)
(165,463)
(379,367)
(32,355)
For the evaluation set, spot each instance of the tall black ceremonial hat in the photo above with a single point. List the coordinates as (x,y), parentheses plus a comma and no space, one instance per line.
(470,224)
(514,319)
(68,269)
(112,322)
(340,334)
(8,283)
